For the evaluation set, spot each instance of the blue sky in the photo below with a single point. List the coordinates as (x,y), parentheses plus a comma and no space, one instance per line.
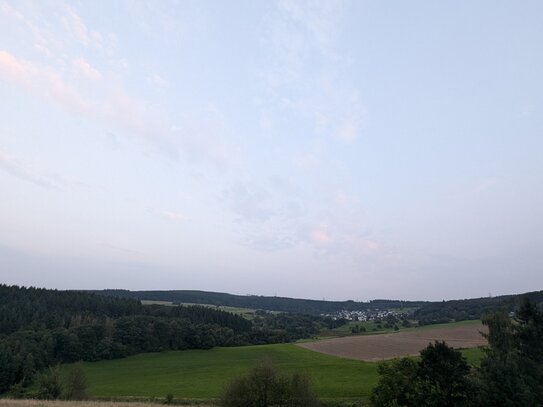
(339,150)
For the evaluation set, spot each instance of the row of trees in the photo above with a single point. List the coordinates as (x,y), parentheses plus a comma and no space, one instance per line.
(510,374)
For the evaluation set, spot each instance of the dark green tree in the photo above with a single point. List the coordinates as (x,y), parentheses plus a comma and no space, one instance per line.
(395,386)
(442,378)
(439,379)
(511,374)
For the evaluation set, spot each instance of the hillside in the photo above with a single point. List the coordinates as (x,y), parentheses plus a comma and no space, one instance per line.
(426,312)
(282,304)
(473,308)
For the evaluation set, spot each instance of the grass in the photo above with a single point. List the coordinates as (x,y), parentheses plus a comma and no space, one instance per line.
(451,324)
(373,328)
(473,355)
(201,374)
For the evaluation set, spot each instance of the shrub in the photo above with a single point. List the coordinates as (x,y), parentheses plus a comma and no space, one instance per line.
(76,385)
(265,386)
(49,384)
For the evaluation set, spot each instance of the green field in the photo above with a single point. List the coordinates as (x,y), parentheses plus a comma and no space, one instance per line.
(203,373)
(373,328)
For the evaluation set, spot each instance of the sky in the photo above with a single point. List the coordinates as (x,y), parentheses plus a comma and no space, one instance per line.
(337,149)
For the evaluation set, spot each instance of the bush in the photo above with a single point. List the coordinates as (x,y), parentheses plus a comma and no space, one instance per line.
(49,384)
(76,385)
(265,386)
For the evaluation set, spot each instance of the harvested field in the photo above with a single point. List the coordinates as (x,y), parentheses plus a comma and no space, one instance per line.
(373,348)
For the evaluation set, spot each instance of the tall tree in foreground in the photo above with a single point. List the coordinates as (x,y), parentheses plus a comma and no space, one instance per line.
(440,378)
(511,374)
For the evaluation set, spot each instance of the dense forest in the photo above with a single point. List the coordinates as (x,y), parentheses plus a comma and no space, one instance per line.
(475,308)
(281,304)
(40,328)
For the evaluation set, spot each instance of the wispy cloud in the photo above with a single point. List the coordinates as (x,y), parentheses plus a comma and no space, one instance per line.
(157,81)
(14,166)
(75,25)
(37,175)
(117,108)
(43,81)
(174,216)
(86,69)
(168,215)
(301,33)
(41,38)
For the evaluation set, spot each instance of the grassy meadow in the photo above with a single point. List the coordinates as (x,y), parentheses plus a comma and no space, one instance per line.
(201,374)
(373,328)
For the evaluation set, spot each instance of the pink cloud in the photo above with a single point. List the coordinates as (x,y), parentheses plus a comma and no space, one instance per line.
(119,109)
(320,236)
(42,81)
(14,70)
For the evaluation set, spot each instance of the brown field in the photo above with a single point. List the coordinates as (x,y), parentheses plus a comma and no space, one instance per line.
(58,403)
(387,346)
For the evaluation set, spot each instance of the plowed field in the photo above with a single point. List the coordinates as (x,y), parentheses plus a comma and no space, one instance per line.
(387,346)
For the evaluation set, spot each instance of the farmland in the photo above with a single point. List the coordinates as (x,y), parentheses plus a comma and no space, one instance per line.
(408,342)
(201,374)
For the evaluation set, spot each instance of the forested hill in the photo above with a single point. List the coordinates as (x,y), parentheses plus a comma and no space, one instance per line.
(39,328)
(474,308)
(425,311)
(282,304)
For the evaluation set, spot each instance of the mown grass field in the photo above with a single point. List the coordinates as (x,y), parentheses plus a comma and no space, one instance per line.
(201,374)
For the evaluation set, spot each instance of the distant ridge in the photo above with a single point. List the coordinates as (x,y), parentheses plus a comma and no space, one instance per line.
(281,304)
(427,312)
